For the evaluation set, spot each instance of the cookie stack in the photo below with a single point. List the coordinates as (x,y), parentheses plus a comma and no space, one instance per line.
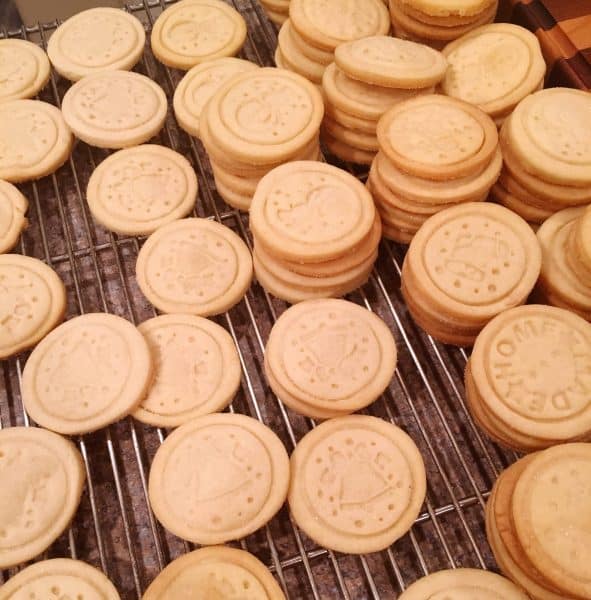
(513,391)
(307,41)
(368,77)
(547,154)
(276,10)
(255,122)
(315,231)
(435,23)
(466,265)
(537,522)
(435,152)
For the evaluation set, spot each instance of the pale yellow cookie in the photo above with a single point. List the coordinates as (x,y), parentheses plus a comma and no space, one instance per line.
(323,57)
(24,69)
(13,206)
(44,477)
(214,571)
(98,39)
(348,120)
(346,152)
(115,109)
(32,302)
(241,185)
(232,197)
(199,85)
(447,8)
(34,140)
(136,190)
(351,137)
(277,17)
(88,373)
(194,266)
(357,484)
(295,59)
(193,31)
(196,369)
(59,578)
(236,486)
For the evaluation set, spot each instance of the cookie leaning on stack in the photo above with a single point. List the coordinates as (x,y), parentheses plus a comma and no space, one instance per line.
(435,152)
(277,10)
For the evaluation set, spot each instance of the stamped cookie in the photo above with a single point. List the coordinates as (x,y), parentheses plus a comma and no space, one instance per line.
(46,476)
(238,484)
(448,8)
(24,69)
(34,140)
(193,31)
(391,62)
(357,484)
(136,190)
(13,206)
(98,39)
(59,578)
(115,109)
(88,373)
(32,302)
(214,571)
(200,84)
(295,59)
(196,369)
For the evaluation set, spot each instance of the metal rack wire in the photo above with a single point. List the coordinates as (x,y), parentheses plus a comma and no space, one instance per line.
(114,528)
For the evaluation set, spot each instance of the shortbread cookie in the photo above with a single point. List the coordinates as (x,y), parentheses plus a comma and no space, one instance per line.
(34,140)
(355,139)
(494,66)
(214,571)
(463,583)
(136,190)
(323,57)
(59,578)
(232,197)
(296,60)
(32,302)
(348,120)
(88,373)
(437,137)
(46,476)
(447,8)
(115,109)
(241,185)
(194,266)
(304,356)
(530,213)
(238,484)
(346,152)
(277,17)
(24,69)
(196,369)
(391,62)
(193,31)
(199,85)
(13,206)
(98,39)
(357,484)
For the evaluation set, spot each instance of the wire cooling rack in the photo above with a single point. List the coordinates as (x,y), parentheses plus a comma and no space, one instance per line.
(114,528)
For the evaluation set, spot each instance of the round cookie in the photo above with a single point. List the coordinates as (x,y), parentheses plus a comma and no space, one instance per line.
(194,266)
(196,369)
(355,139)
(193,31)
(351,121)
(32,302)
(136,190)
(213,571)
(463,583)
(357,484)
(437,137)
(88,373)
(346,152)
(238,484)
(115,109)
(323,57)
(233,198)
(296,60)
(308,211)
(97,39)
(391,62)
(24,69)
(13,206)
(199,85)
(448,8)
(34,140)
(59,577)
(46,475)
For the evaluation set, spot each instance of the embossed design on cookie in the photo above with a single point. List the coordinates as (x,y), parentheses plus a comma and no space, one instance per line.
(24,69)
(13,206)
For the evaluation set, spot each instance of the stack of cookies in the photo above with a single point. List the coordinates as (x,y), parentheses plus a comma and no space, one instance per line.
(255,122)
(315,231)
(466,265)
(547,154)
(512,390)
(307,41)
(277,10)
(537,522)
(435,23)
(435,152)
(368,77)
